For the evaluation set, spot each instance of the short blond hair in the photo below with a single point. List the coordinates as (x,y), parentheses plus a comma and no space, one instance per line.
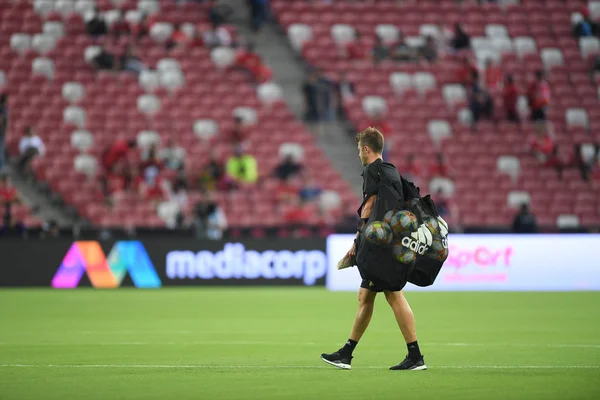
(372,138)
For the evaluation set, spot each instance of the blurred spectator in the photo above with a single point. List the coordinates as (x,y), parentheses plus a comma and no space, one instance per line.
(464,73)
(116,181)
(180,196)
(155,190)
(538,97)
(134,181)
(357,49)
(595,71)
(554,160)
(287,190)
(379,121)
(542,146)
(309,189)
(117,153)
(120,26)
(151,166)
(440,168)
(180,180)
(30,146)
(297,212)
(3,125)
(171,155)
(259,10)
(142,28)
(218,13)
(310,90)
(444,36)
(584,165)
(492,75)
(401,51)
(50,229)
(213,176)
(249,60)
(525,221)
(510,97)
(242,167)
(95,25)
(210,220)
(130,61)
(447,209)
(217,36)
(461,39)
(586,27)
(412,170)
(239,131)
(380,51)
(8,197)
(480,100)
(429,51)
(288,168)
(105,61)
(345,93)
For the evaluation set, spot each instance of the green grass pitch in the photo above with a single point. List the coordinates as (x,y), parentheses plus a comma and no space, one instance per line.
(264,343)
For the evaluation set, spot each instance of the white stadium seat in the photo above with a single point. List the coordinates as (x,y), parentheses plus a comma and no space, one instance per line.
(374,105)
(20,42)
(299,34)
(133,16)
(439,130)
(576,18)
(74,115)
(342,33)
(589,45)
(552,57)
(429,30)
(111,16)
(509,165)
(523,106)
(454,93)
(400,81)
(588,151)
(168,212)
(64,7)
(43,66)
(594,7)
(148,104)
(161,31)
(149,80)
(82,140)
(84,6)
(205,128)
(524,45)
(43,7)
(577,117)
(465,116)
(423,81)
(496,31)
(567,221)
(388,33)
(444,185)
(91,52)
(171,80)
(269,93)
(148,7)
(2,79)
(294,150)
(145,139)
(502,45)
(415,41)
(73,92)
(54,28)
(43,43)
(222,57)
(85,164)
(168,64)
(516,198)
(247,114)
(329,200)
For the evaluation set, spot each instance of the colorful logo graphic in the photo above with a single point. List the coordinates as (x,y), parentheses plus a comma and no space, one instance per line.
(88,257)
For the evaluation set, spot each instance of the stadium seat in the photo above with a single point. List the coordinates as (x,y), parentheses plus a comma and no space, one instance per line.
(54,28)
(502,45)
(400,81)
(444,185)
(465,116)
(423,81)
(43,66)
(588,46)
(576,117)
(508,165)
(496,31)
(374,105)
(85,164)
(148,104)
(429,30)
(171,80)
(552,57)
(269,93)
(145,139)
(567,221)
(205,128)
(2,79)
(133,17)
(439,130)
(82,140)
(148,7)
(454,94)
(43,7)
(73,92)
(149,80)
(64,7)
(161,31)
(388,33)
(222,57)
(524,45)
(85,6)
(294,150)
(342,33)
(329,200)
(168,212)
(91,52)
(43,43)
(594,8)
(74,115)
(299,34)
(516,198)
(20,42)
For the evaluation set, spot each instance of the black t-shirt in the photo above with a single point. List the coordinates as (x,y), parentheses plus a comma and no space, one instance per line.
(372,175)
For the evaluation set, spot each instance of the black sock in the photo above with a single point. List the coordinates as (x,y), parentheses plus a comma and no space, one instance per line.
(349,347)
(413,351)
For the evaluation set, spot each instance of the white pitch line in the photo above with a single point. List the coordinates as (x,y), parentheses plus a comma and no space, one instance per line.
(199,366)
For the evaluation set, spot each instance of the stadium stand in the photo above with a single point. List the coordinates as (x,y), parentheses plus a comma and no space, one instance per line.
(426,102)
(189,93)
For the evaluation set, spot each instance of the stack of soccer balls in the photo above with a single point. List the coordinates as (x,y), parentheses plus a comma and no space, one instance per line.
(408,238)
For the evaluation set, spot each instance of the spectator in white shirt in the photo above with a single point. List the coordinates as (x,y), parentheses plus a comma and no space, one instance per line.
(30,146)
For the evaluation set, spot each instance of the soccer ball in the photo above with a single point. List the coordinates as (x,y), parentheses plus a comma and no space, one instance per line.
(432,224)
(404,221)
(387,218)
(379,233)
(403,254)
(437,251)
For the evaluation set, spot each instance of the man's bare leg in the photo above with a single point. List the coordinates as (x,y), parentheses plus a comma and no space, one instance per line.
(406,321)
(343,357)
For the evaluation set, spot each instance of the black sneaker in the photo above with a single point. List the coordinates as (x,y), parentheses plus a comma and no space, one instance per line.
(411,365)
(337,360)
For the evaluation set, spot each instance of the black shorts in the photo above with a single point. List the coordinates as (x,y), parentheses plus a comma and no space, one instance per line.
(373,287)
(538,115)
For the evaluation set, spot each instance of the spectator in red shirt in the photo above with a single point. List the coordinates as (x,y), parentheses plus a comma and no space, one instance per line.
(555,160)
(356,49)
(510,97)
(379,122)
(464,74)
(117,153)
(538,96)
(440,168)
(492,75)
(297,212)
(287,191)
(8,197)
(247,59)
(542,146)
(120,26)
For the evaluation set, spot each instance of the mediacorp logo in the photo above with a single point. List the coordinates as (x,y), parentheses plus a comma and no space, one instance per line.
(478,264)
(106,272)
(234,261)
